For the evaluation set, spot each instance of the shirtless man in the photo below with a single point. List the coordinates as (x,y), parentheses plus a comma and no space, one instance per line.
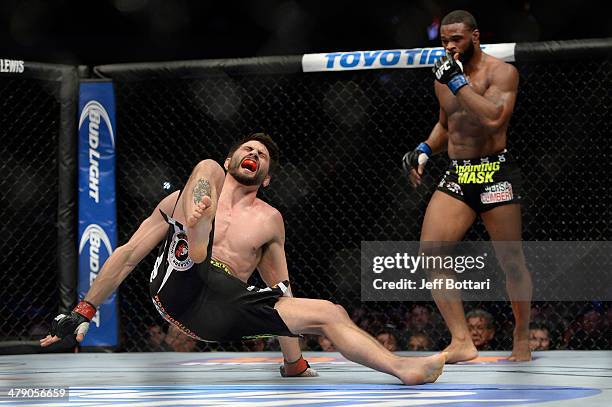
(208,298)
(476,93)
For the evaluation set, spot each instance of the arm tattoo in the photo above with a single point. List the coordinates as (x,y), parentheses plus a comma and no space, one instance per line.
(201,189)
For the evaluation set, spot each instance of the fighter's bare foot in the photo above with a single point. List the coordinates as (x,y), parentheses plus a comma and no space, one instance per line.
(200,211)
(203,195)
(520,351)
(420,370)
(199,214)
(461,351)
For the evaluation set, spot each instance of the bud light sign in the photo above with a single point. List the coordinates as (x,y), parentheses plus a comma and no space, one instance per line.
(97,208)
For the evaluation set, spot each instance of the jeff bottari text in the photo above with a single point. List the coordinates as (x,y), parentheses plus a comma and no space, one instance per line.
(408,263)
(435,284)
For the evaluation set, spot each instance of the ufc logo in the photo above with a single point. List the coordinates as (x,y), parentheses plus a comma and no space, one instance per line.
(444,67)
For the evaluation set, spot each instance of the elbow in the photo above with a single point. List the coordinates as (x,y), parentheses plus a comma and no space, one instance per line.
(123,251)
(443,128)
(491,125)
(126,252)
(495,120)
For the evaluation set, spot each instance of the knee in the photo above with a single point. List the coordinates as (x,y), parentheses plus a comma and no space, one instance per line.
(513,264)
(210,169)
(512,270)
(431,248)
(209,166)
(342,312)
(334,313)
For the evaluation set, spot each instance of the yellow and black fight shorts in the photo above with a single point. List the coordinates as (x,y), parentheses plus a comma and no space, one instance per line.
(483,183)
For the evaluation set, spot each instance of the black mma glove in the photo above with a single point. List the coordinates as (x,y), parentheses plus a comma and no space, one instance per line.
(450,72)
(77,323)
(418,156)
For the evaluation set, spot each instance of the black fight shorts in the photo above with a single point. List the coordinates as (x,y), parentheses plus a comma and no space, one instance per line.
(483,183)
(226,308)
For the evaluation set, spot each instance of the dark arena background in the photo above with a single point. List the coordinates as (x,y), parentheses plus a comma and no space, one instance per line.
(342,136)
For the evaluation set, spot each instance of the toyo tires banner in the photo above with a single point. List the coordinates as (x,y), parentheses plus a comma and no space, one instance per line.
(97,204)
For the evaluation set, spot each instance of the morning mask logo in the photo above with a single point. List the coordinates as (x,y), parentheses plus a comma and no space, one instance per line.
(95,113)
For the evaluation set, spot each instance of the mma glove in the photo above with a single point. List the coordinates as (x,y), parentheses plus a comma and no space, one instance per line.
(75,323)
(450,72)
(299,368)
(418,156)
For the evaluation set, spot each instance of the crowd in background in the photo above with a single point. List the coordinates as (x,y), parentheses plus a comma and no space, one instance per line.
(420,327)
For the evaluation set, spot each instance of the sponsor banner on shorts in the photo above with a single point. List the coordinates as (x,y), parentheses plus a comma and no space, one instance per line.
(495,193)
(395,58)
(97,207)
(178,254)
(560,271)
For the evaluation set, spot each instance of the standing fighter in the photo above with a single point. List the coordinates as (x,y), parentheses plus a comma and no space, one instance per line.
(208,298)
(476,93)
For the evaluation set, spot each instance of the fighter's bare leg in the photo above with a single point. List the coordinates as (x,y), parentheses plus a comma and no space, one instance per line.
(321,317)
(504,227)
(199,203)
(446,220)
(289,346)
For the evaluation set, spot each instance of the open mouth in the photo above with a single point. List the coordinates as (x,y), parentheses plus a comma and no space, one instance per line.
(249,165)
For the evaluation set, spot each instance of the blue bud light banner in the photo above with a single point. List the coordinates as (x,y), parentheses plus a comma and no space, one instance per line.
(97,205)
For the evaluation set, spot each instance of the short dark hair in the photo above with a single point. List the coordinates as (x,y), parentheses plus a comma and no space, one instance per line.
(389,331)
(264,139)
(460,16)
(542,326)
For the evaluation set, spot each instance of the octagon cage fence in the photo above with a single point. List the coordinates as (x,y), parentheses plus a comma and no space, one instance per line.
(342,135)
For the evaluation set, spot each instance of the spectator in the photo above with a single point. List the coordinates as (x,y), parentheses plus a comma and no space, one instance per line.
(418,319)
(156,338)
(551,314)
(358,314)
(587,332)
(178,341)
(371,322)
(539,336)
(307,342)
(607,323)
(387,339)
(482,329)
(418,342)
(254,345)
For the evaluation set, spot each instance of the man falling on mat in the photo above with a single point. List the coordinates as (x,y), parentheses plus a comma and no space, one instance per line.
(476,93)
(215,233)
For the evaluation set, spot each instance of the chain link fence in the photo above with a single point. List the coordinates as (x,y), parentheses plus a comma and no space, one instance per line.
(29,124)
(342,136)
